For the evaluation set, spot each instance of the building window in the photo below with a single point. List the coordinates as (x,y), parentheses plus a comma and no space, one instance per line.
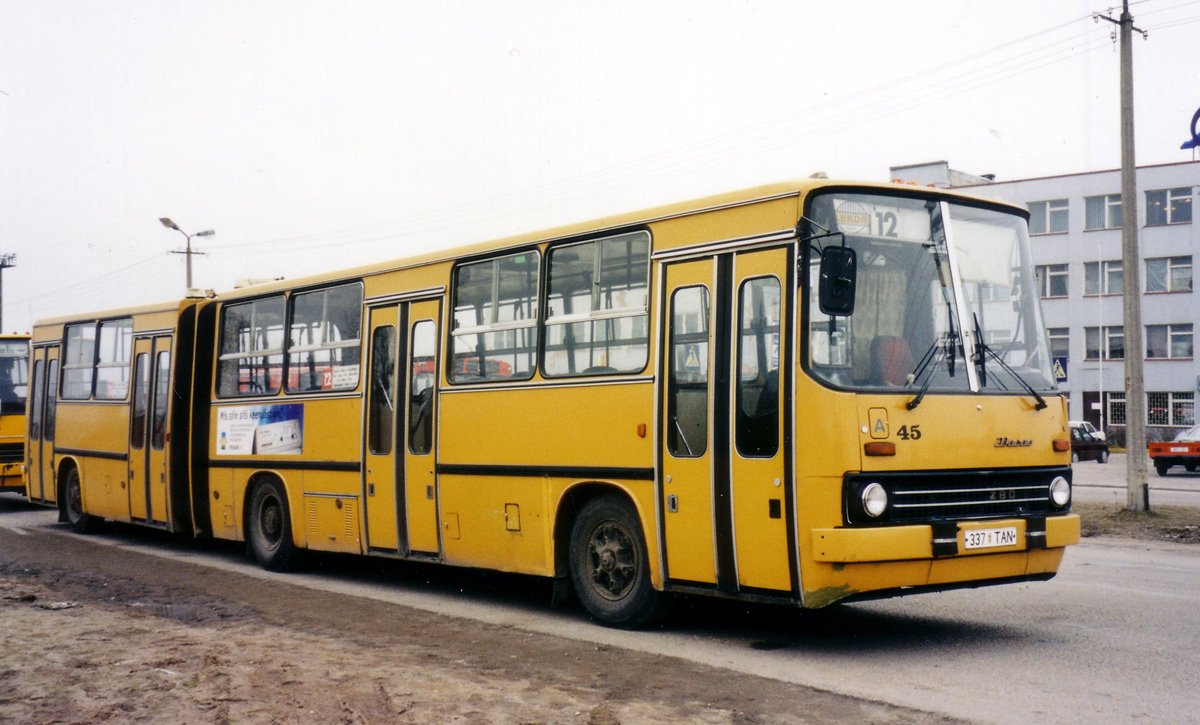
(1169,206)
(1115,405)
(1168,341)
(1060,341)
(1103,278)
(1048,217)
(1170,409)
(1169,274)
(1109,340)
(1102,212)
(1052,280)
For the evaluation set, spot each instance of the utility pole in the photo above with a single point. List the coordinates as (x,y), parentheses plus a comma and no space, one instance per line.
(1138,492)
(6,261)
(188,249)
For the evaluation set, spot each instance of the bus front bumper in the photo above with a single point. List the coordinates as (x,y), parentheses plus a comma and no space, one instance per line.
(901,543)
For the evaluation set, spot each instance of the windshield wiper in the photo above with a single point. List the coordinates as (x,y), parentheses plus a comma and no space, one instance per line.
(982,350)
(932,356)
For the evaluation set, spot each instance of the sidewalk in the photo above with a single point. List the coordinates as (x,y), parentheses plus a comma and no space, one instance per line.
(1105,483)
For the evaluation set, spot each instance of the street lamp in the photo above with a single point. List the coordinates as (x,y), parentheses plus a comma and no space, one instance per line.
(188,251)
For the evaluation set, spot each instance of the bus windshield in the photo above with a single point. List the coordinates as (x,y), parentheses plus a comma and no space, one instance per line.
(14,376)
(944,298)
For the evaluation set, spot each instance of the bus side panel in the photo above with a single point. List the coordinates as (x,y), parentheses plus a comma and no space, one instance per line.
(497,522)
(89,429)
(550,426)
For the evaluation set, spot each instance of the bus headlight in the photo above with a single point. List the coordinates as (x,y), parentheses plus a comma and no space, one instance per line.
(1060,492)
(874,500)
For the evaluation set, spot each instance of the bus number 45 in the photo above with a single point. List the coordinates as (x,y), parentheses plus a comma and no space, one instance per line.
(909,432)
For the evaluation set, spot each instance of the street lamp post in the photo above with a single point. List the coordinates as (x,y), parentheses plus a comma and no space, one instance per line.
(188,250)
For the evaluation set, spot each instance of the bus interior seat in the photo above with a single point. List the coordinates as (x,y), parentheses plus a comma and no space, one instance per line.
(891,360)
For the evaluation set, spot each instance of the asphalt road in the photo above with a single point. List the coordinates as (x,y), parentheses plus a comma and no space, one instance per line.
(1111,639)
(1106,482)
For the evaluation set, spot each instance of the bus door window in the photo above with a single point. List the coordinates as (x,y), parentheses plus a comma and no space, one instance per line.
(687,384)
(35,413)
(141,388)
(162,392)
(758,368)
(381,414)
(420,389)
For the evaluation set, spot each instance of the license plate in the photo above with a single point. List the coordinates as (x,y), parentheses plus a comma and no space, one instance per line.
(1179,449)
(989,538)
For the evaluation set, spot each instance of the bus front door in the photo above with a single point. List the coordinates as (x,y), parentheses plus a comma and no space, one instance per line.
(725,465)
(400,481)
(147,429)
(39,471)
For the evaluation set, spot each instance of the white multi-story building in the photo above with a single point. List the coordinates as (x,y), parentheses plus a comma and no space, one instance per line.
(1075,234)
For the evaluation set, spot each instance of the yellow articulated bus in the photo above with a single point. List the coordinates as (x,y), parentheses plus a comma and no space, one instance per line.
(14,388)
(801,394)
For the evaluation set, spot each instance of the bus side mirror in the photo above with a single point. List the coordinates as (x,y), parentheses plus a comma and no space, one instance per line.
(838,281)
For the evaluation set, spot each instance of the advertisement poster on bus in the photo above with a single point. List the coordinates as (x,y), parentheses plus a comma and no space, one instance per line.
(262,430)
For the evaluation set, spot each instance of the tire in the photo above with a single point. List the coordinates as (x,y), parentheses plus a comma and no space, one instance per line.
(1161,468)
(1074,457)
(610,567)
(1191,467)
(72,505)
(1103,457)
(270,528)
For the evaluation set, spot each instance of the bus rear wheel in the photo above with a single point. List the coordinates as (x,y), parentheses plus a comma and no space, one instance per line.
(271,528)
(610,567)
(72,503)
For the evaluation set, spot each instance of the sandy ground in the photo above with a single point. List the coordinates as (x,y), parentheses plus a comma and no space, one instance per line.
(96,634)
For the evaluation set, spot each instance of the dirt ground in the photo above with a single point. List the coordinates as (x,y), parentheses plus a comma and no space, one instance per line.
(98,634)
(1178,524)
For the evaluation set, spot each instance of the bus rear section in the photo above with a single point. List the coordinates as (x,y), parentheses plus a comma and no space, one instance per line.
(109,395)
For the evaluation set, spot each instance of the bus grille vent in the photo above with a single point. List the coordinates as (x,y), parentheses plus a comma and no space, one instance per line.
(12,452)
(925,496)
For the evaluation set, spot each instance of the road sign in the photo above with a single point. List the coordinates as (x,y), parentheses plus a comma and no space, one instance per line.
(1060,369)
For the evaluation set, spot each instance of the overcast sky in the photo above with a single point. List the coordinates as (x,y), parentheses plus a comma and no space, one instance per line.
(319,135)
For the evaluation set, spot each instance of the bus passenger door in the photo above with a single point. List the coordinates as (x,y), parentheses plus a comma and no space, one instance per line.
(39,471)
(420,429)
(760,478)
(158,425)
(385,520)
(139,463)
(725,501)
(687,505)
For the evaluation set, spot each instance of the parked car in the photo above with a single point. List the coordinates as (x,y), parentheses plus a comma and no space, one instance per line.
(1087,447)
(1087,426)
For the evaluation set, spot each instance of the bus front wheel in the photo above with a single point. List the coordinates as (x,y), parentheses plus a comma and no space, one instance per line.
(610,566)
(271,528)
(72,502)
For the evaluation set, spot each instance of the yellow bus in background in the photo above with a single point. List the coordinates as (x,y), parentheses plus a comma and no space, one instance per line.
(799,394)
(14,388)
